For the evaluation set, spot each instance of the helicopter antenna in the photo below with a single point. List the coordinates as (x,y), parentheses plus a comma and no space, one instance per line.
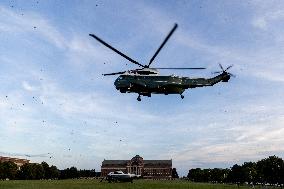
(117,51)
(162,45)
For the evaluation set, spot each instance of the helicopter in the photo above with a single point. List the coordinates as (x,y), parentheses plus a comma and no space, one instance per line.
(120,176)
(146,80)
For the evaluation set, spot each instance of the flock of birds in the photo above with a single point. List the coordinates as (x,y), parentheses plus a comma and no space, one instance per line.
(38,100)
(49,155)
(43,121)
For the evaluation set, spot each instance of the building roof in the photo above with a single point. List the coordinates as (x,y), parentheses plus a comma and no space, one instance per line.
(12,159)
(157,163)
(111,163)
(147,163)
(17,161)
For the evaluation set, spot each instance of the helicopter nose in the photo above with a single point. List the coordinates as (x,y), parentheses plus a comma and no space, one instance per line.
(116,83)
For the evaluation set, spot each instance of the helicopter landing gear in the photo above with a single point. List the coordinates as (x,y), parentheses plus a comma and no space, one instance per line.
(181,96)
(139,98)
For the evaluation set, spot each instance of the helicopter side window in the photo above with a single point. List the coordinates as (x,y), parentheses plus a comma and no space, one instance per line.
(145,72)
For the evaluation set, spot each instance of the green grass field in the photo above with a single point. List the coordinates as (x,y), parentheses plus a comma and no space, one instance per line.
(95,184)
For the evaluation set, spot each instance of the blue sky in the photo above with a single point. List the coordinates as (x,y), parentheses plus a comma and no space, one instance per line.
(55,103)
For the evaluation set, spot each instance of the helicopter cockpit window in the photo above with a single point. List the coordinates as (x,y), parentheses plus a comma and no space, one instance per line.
(120,77)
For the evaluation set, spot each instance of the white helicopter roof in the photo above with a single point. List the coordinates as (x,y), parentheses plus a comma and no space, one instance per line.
(144,71)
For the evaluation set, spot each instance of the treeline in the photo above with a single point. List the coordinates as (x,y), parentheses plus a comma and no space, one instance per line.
(74,173)
(31,171)
(266,171)
(35,171)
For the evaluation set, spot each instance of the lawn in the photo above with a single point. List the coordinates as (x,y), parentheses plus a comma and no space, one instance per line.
(95,184)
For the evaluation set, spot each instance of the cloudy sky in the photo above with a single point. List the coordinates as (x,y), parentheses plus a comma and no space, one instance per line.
(55,105)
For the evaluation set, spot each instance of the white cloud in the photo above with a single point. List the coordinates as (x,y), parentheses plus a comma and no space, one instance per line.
(80,50)
(263,62)
(267,17)
(28,87)
(142,127)
(29,22)
(260,23)
(245,143)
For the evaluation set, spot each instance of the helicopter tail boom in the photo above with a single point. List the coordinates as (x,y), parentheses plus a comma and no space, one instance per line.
(202,82)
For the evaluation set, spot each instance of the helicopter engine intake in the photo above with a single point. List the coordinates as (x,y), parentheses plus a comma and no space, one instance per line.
(226,78)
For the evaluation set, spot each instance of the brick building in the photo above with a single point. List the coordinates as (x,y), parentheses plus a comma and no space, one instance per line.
(17,161)
(158,169)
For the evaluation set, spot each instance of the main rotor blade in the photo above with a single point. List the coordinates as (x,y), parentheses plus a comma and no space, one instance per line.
(179,68)
(232,75)
(229,67)
(162,45)
(115,50)
(115,73)
(221,67)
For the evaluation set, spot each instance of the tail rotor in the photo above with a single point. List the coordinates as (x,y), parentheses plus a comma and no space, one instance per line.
(224,70)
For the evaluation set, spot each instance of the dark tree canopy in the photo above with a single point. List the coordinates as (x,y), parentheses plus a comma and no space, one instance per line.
(174,173)
(33,171)
(8,170)
(267,171)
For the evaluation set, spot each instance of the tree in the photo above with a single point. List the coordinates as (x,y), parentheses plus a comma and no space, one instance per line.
(269,170)
(31,171)
(195,175)
(250,172)
(218,175)
(87,173)
(281,181)
(39,171)
(26,172)
(236,174)
(54,172)
(71,172)
(174,173)
(1,171)
(8,170)
(50,172)
(45,166)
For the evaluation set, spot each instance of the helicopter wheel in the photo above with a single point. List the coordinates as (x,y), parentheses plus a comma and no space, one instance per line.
(182,97)
(139,98)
